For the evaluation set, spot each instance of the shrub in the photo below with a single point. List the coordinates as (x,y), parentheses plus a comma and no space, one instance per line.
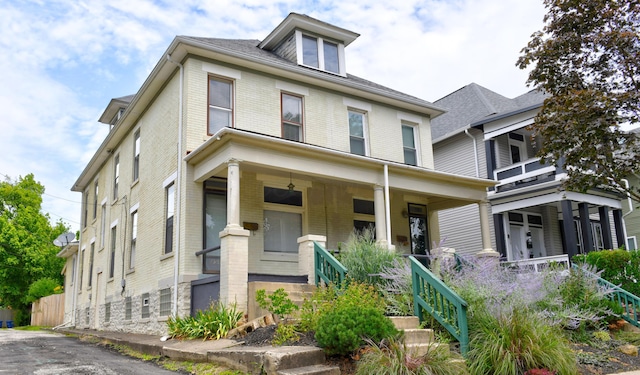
(517,342)
(394,358)
(364,258)
(277,303)
(42,288)
(619,267)
(285,333)
(343,330)
(211,324)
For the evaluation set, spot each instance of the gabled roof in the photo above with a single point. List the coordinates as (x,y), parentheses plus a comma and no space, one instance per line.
(114,106)
(474,104)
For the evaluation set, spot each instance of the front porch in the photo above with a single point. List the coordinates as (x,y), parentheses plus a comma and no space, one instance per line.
(262,196)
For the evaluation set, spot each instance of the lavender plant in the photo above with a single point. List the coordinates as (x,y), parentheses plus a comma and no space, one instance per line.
(396,288)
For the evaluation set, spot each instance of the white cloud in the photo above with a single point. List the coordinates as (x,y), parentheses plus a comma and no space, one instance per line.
(65,59)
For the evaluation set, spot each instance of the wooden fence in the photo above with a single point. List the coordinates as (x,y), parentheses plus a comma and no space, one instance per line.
(48,311)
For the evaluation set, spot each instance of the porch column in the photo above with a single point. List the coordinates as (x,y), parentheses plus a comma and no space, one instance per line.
(379,208)
(234,246)
(487,251)
(570,236)
(490,154)
(306,260)
(605,224)
(585,224)
(619,225)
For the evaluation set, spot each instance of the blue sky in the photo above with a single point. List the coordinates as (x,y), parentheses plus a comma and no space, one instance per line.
(65,59)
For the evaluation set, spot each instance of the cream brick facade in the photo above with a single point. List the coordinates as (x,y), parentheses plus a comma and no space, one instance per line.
(320,167)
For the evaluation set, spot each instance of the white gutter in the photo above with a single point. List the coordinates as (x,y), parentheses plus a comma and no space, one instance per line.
(176,255)
(387,210)
(630,202)
(475,151)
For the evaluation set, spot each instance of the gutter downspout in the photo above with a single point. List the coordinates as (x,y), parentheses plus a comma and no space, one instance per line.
(630,202)
(387,209)
(75,283)
(475,151)
(176,264)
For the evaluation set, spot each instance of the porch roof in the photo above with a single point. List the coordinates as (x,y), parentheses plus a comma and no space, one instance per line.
(262,153)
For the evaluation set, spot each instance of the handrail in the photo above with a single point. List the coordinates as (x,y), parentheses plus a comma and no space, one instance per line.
(327,268)
(629,302)
(205,251)
(436,298)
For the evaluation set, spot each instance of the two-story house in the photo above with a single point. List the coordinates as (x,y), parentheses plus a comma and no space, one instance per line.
(232,158)
(484,134)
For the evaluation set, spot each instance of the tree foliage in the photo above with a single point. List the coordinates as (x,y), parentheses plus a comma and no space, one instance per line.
(587,57)
(27,252)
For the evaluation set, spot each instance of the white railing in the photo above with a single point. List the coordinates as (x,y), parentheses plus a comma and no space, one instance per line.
(521,171)
(539,264)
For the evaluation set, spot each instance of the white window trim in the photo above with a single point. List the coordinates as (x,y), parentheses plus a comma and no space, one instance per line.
(292,88)
(356,104)
(416,141)
(300,53)
(222,71)
(522,146)
(134,208)
(113,223)
(169,180)
(365,130)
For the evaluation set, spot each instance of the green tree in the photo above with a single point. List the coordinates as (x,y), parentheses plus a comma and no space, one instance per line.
(587,57)
(27,252)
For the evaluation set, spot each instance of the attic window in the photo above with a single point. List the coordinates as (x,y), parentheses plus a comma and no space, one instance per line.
(320,54)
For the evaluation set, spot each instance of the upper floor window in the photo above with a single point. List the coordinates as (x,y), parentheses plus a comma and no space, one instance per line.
(168,227)
(112,251)
(409,144)
(95,199)
(320,54)
(357,133)
(136,155)
(220,104)
(134,239)
(517,148)
(91,255)
(292,117)
(116,176)
(85,213)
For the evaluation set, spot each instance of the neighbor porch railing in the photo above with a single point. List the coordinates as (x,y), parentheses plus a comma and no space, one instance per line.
(541,263)
(326,266)
(436,298)
(630,303)
(520,171)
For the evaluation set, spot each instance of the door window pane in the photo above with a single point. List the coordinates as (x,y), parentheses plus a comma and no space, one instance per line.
(281,231)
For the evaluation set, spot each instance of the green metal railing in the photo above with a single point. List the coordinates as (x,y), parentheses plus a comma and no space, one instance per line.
(327,268)
(436,298)
(630,302)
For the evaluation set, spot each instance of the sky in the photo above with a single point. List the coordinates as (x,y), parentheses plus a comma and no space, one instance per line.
(66,59)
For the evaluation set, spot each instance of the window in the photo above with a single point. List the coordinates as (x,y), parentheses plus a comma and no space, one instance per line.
(165,302)
(112,253)
(364,219)
(127,308)
(361,206)
(215,220)
(95,199)
(282,220)
(73,269)
(116,175)
(93,247)
(220,104)
(107,312)
(409,144)
(145,306)
(632,243)
(134,238)
(103,224)
(292,117)
(357,133)
(320,54)
(168,227)
(87,315)
(136,155)
(85,214)
(517,148)
(81,270)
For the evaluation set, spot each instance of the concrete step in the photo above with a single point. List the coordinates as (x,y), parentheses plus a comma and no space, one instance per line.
(405,322)
(418,336)
(422,349)
(268,359)
(311,370)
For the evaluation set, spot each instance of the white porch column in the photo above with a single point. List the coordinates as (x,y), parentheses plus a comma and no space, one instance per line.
(306,262)
(487,251)
(379,207)
(234,246)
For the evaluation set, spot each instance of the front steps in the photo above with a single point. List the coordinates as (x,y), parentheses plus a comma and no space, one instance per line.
(418,340)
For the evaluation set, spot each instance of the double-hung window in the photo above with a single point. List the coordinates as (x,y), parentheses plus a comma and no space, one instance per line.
(357,124)
(220,104)
(292,117)
(85,208)
(116,176)
(320,54)
(136,156)
(409,144)
(168,226)
(134,239)
(112,252)
(95,199)
(91,254)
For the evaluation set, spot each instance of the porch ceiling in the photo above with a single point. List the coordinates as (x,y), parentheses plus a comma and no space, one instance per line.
(264,154)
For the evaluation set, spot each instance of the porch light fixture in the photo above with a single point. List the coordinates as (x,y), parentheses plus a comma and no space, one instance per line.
(291,185)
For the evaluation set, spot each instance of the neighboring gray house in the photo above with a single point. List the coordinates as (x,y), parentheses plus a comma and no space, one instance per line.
(484,134)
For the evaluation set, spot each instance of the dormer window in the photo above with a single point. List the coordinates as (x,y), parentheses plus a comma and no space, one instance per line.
(319,53)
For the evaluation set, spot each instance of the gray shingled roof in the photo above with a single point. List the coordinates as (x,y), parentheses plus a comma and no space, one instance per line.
(473,103)
(249,48)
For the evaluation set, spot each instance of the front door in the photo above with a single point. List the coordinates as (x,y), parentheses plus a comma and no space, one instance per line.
(525,236)
(418,230)
(215,220)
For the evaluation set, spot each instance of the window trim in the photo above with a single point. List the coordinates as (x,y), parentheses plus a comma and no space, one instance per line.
(168,242)
(416,143)
(299,35)
(134,238)
(95,198)
(136,156)
(277,255)
(288,122)
(116,175)
(232,103)
(112,250)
